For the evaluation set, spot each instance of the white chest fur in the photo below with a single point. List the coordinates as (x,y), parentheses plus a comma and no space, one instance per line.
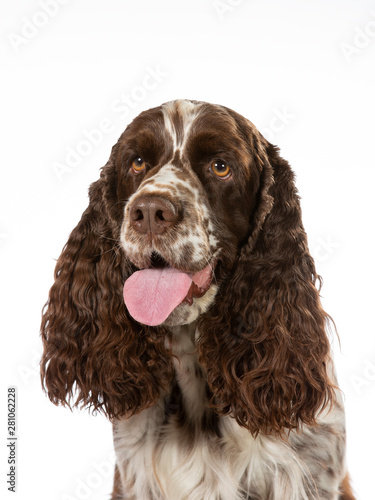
(180,450)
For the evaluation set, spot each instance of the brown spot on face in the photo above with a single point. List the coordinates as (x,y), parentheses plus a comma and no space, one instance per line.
(176,160)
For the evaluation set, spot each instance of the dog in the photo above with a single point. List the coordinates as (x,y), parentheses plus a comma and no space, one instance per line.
(185,307)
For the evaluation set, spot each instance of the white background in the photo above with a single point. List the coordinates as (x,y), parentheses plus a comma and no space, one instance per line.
(302,71)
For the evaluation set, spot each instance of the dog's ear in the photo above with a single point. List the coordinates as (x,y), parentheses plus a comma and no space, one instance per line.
(91,344)
(264,345)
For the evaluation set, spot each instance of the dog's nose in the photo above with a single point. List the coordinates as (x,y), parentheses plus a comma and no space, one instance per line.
(152,214)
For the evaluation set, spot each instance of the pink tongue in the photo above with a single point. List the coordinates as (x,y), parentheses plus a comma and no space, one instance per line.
(151,294)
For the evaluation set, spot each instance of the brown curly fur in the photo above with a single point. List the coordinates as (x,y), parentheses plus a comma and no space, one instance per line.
(91,344)
(272,373)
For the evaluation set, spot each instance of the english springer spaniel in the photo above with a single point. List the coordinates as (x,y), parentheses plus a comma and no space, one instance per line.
(185,308)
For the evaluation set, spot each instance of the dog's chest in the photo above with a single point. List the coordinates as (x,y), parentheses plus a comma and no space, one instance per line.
(179,449)
(187,404)
(177,446)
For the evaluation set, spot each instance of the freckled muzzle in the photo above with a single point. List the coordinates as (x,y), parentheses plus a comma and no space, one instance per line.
(168,214)
(170,246)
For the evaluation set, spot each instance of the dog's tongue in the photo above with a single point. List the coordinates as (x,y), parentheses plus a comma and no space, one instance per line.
(151,294)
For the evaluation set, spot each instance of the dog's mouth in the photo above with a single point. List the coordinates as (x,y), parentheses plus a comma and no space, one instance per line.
(157,261)
(151,294)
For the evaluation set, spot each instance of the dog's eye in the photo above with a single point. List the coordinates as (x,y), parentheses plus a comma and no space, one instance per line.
(220,169)
(138,164)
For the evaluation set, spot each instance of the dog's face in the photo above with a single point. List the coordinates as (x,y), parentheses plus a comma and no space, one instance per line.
(186,171)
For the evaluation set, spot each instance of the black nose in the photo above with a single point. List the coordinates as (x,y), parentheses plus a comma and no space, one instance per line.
(152,214)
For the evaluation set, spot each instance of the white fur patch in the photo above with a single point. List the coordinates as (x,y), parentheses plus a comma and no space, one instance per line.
(188,112)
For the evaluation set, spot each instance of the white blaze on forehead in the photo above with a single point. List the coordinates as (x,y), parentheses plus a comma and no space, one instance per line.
(187,112)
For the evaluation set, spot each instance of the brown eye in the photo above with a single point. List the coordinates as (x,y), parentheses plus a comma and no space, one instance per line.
(220,169)
(138,164)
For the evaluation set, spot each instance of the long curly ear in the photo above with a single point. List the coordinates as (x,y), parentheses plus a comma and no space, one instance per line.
(91,345)
(264,345)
